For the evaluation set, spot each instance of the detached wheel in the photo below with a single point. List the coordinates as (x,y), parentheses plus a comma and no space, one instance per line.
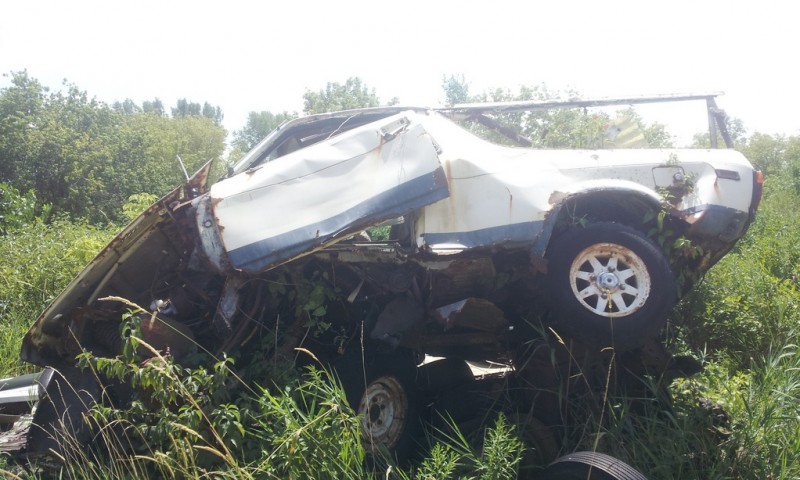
(590,466)
(610,285)
(383,392)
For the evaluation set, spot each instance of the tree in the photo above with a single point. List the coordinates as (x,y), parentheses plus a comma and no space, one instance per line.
(551,128)
(654,135)
(736,130)
(86,158)
(213,112)
(155,107)
(456,90)
(258,125)
(353,94)
(127,107)
(766,153)
(21,104)
(185,108)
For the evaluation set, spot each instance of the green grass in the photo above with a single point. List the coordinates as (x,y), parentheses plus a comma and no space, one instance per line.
(38,261)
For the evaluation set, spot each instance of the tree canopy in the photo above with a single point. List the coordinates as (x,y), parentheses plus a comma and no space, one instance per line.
(553,128)
(85,158)
(258,125)
(353,93)
(336,96)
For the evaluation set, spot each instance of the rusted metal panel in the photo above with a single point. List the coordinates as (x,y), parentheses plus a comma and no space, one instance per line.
(46,341)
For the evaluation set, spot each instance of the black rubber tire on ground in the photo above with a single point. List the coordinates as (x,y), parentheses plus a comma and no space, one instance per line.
(609,285)
(382,389)
(590,466)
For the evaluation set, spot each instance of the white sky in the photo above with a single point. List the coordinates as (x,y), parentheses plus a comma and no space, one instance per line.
(253,56)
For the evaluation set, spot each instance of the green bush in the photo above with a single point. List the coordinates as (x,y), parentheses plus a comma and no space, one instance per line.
(39,260)
(16,209)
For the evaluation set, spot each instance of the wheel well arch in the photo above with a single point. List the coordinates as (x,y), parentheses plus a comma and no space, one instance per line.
(628,207)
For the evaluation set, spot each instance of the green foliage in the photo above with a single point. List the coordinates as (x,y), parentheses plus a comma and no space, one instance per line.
(86,158)
(38,261)
(680,250)
(336,96)
(311,297)
(456,90)
(185,108)
(311,431)
(723,423)
(555,128)
(767,428)
(136,204)
(155,107)
(17,209)
(259,125)
(199,419)
(736,130)
(455,457)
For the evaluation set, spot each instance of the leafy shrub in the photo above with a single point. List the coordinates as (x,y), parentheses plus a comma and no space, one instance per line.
(200,417)
(455,457)
(38,261)
(16,209)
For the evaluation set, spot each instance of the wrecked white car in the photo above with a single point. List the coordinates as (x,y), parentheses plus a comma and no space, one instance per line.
(483,240)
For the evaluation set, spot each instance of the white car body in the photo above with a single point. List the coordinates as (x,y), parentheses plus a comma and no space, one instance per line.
(460,191)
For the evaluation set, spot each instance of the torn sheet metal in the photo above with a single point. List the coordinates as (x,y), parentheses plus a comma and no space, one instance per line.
(321,194)
(141,246)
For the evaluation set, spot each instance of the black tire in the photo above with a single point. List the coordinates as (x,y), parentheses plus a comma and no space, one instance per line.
(609,285)
(382,390)
(590,466)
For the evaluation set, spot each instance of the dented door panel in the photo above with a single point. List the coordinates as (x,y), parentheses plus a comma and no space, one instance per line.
(321,194)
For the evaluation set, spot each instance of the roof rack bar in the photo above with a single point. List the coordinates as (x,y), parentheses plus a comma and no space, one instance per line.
(717,122)
(519,106)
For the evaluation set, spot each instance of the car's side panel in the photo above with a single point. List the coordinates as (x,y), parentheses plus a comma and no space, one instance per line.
(502,196)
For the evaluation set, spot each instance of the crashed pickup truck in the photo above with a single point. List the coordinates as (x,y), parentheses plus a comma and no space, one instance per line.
(480,240)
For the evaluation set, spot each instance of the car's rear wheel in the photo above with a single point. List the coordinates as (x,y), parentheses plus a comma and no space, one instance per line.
(609,285)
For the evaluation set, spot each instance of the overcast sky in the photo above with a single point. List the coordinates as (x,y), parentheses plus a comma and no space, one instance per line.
(253,56)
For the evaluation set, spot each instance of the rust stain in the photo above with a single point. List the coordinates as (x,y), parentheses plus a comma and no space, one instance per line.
(446,169)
